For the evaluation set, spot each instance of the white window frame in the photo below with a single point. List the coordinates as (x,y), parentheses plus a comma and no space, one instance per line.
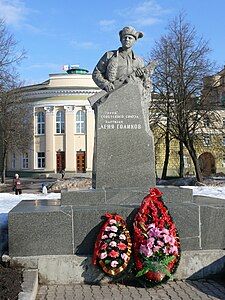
(40,123)
(60,122)
(187,161)
(81,121)
(207,141)
(40,160)
(25,160)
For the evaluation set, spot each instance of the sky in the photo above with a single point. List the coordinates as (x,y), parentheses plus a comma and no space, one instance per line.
(57,33)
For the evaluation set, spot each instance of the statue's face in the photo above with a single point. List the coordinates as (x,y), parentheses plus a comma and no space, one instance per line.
(127,41)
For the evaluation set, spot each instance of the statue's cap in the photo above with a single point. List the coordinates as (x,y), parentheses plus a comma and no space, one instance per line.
(128,30)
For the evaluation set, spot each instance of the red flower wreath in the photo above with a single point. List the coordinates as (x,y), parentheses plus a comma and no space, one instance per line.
(156,242)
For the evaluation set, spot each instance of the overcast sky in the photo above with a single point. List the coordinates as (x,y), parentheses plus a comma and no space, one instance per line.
(57,33)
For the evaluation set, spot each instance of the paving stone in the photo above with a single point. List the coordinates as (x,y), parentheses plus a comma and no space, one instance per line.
(179,290)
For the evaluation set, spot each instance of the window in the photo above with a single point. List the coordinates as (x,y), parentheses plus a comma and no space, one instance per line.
(25,161)
(41,159)
(60,121)
(223,140)
(206,141)
(13,161)
(206,122)
(186,161)
(40,122)
(80,121)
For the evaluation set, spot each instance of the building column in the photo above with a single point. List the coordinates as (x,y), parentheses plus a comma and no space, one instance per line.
(69,137)
(33,155)
(90,130)
(50,154)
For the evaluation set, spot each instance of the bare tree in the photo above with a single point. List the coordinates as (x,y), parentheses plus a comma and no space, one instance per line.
(178,79)
(15,123)
(10,55)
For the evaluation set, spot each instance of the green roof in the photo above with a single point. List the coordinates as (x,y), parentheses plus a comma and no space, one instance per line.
(77,71)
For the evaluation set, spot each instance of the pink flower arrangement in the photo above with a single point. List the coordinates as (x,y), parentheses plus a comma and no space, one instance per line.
(158,243)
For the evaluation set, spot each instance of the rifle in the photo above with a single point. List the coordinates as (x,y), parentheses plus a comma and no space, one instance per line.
(102,96)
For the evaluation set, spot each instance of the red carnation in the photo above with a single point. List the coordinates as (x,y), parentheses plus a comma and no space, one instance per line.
(138,263)
(114,253)
(122,246)
(104,246)
(163,210)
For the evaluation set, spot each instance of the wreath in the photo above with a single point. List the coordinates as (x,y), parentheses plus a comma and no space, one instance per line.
(156,244)
(113,246)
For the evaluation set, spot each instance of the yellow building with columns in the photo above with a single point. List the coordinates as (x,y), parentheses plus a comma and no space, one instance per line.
(63,128)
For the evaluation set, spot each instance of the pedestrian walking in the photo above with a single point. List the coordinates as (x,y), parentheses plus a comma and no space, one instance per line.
(17,185)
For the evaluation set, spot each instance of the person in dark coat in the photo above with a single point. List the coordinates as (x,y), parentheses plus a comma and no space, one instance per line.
(17,185)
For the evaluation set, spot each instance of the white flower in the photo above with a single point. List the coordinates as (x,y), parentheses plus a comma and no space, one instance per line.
(114,263)
(124,256)
(114,228)
(111,222)
(113,244)
(122,237)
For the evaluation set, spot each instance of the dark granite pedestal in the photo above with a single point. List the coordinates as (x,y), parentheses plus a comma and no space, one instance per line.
(124,149)
(71,227)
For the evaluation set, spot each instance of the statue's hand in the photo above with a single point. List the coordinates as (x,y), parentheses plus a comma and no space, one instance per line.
(109,87)
(139,72)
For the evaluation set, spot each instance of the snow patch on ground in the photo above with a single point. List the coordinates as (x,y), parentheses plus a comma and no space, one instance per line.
(8,201)
(210,191)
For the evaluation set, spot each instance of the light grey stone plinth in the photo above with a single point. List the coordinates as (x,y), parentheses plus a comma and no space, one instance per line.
(71,269)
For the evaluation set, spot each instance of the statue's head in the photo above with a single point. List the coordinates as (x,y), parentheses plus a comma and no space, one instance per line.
(128,30)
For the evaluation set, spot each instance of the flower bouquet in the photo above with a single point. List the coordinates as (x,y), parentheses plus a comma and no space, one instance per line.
(113,246)
(156,243)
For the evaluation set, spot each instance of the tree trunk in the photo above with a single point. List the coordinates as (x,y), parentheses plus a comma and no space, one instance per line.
(167,155)
(195,160)
(181,154)
(4,157)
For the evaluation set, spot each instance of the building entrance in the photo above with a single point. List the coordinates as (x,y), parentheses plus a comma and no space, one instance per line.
(60,161)
(207,164)
(81,162)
